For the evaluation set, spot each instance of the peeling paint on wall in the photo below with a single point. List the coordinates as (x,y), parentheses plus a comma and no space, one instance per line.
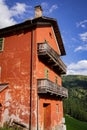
(6,115)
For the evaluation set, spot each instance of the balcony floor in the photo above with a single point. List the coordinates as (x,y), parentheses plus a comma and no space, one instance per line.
(50,58)
(46,86)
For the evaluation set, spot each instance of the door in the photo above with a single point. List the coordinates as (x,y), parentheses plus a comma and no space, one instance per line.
(0,113)
(47,116)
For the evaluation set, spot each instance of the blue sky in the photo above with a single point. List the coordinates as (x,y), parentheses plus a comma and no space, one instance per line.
(72,20)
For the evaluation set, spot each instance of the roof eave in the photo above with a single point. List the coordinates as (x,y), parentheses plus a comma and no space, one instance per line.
(31,23)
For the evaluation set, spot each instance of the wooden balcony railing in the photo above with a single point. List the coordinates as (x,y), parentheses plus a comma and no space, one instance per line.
(47,86)
(51,58)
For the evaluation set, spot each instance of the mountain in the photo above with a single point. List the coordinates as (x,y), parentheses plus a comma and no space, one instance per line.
(76,104)
(75,81)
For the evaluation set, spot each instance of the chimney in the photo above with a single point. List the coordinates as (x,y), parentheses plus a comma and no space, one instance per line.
(38,11)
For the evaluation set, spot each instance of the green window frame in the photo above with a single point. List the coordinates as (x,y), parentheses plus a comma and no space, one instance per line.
(1,44)
(56,79)
(46,73)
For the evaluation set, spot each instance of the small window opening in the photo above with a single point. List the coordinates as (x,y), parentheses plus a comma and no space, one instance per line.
(57,108)
(1,44)
(56,79)
(50,34)
(46,73)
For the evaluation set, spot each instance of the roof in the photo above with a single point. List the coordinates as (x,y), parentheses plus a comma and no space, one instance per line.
(3,86)
(29,24)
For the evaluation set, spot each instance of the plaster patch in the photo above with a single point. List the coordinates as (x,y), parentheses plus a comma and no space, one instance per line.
(16,87)
(6,115)
(15,117)
(7,96)
(23,113)
(7,104)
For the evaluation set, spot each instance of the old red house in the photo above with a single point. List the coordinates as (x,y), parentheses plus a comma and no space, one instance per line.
(31,90)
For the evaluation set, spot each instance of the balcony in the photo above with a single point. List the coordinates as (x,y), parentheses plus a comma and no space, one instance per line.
(51,58)
(46,86)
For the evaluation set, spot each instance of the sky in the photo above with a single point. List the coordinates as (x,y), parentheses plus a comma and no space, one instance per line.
(71,16)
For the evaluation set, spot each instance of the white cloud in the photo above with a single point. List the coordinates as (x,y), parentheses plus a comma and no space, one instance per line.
(20,11)
(18,8)
(83,36)
(53,7)
(46,9)
(81,48)
(7,14)
(82,24)
(79,68)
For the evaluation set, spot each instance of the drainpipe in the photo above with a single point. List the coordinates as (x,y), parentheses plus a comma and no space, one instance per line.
(31,81)
(31,68)
(37,112)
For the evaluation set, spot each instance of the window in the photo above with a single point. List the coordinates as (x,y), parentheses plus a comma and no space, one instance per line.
(46,73)
(57,108)
(50,34)
(1,44)
(56,80)
(0,111)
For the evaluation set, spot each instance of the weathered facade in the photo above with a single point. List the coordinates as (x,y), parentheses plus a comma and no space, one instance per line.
(31,89)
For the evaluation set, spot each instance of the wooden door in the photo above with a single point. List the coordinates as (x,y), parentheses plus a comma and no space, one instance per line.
(47,116)
(0,112)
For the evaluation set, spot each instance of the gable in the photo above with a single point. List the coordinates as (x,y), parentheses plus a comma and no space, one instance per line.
(56,44)
(31,24)
(46,21)
(47,34)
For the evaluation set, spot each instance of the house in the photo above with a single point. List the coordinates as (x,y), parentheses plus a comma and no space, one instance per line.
(31,90)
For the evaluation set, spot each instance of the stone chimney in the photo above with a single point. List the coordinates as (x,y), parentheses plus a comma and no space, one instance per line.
(38,11)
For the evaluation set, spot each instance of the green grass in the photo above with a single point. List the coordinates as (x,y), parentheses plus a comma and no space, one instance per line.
(73,124)
(4,128)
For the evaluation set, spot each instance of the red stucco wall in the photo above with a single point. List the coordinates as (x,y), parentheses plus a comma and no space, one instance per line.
(55,117)
(15,63)
(15,70)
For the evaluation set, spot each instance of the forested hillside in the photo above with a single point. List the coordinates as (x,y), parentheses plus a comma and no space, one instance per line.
(76,104)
